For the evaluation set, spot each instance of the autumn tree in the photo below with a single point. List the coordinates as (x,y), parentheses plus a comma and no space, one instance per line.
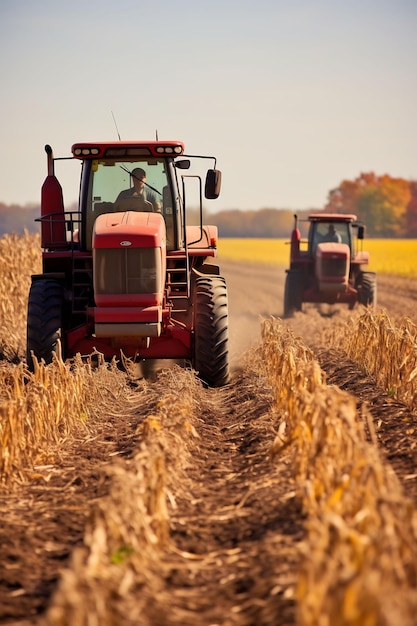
(411,211)
(379,201)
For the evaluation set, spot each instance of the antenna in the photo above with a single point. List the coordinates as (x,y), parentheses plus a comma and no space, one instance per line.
(117,130)
(156,135)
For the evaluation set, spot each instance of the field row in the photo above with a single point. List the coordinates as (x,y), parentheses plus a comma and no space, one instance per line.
(359,552)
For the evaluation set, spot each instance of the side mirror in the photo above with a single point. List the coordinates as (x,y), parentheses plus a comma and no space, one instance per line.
(213,184)
(184,164)
(361,232)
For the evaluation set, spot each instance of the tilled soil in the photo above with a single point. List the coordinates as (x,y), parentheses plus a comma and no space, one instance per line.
(236,513)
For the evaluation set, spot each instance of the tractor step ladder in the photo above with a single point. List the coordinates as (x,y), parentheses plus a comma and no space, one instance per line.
(177,279)
(82,281)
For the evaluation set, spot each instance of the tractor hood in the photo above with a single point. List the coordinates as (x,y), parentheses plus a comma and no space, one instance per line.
(129,259)
(129,229)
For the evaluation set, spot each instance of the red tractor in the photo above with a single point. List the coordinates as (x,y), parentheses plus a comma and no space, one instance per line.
(125,273)
(330,270)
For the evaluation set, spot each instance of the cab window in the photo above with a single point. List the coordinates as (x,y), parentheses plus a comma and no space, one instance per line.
(329,232)
(127,186)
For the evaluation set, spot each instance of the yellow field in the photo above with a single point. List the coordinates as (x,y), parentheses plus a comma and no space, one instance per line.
(387,256)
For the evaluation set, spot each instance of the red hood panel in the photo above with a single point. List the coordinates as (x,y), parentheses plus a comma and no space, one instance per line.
(129,229)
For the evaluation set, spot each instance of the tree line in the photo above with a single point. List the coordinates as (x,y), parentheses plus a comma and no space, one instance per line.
(386,205)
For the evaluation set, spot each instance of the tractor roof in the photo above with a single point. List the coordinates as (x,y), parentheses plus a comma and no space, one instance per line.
(332,217)
(127,149)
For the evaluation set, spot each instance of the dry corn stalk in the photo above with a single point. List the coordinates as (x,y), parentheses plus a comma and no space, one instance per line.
(20,256)
(362,531)
(119,571)
(39,411)
(386,351)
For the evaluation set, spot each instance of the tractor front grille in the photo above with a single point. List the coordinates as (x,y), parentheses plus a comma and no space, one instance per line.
(127,271)
(333,267)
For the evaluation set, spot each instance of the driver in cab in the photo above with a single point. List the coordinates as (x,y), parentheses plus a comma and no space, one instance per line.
(140,190)
(333,235)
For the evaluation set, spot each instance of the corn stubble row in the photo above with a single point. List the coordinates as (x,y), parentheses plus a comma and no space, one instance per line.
(19,258)
(41,411)
(388,352)
(358,563)
(118,576)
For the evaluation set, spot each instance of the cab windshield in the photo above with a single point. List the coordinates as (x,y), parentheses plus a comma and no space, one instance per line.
(128,186)
(335,232)
(110,179)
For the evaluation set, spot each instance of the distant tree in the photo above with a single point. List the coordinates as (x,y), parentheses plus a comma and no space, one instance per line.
(275,222)
(371,208)
(411,211)
(380,201)
(16,219)
(230,223)
(263,223)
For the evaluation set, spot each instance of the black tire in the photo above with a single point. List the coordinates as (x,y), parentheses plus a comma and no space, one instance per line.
(45,320)
(293,293)
(366,285)
(211,331)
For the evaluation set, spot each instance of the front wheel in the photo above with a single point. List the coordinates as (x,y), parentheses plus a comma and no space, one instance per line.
(45,320)
(366,286)
(211,331)
(293,293)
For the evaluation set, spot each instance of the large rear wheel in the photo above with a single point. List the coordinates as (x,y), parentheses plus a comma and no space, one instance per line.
(45,320)
(211,332)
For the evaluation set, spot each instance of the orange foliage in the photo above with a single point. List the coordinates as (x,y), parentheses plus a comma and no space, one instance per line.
(382,202)
(411,211)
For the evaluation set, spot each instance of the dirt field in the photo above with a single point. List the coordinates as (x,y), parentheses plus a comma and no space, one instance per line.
(236,526)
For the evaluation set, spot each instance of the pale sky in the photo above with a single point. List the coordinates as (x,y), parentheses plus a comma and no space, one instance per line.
(291,96)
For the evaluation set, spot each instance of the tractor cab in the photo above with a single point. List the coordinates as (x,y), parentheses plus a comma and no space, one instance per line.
(331,229)
(114,186)
(119,177)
